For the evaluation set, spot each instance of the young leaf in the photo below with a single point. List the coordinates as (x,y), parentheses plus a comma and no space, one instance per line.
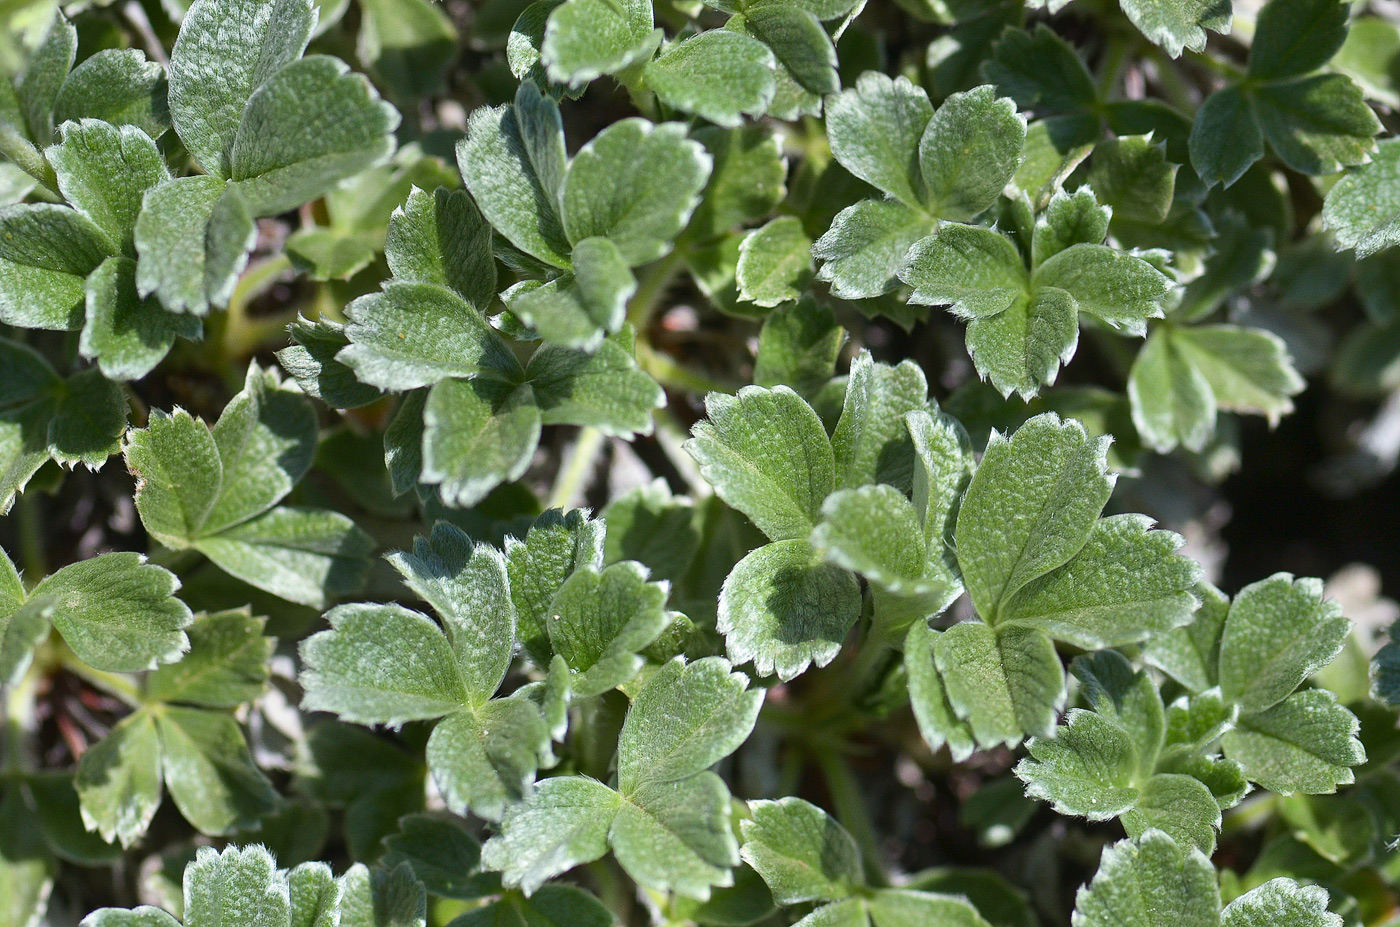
(975,272)
(677,836)
(599,621)
(1280,901)
(718,75)
(875,129)
(119,780)
(871,443)
(442,238)
(477,434)
(484,758)
(104,171)
(969,152)
(556,545)
(564,823)
(1306,743)
(865,249)
(1150,882)
(1006,683)
(801,852)
(209,771)
(775,263)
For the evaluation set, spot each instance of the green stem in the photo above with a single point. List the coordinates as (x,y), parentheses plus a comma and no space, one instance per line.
(32,554)
(111,683)
(19,723)
(242,335)
(577,469)
(651,288)
(27,158)
(663,369)
(853,812)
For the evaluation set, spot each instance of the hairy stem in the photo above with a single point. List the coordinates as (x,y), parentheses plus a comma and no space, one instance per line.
(577,470)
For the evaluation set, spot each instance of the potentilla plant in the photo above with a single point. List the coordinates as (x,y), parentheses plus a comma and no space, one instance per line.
(704,464)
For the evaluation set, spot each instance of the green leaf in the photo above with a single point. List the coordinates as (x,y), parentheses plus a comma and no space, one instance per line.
(442,854)
(874,531)
(1030,508)
(783,608)
(119,780)
(775,263)
(871,443)
(381,898)
(126,334)
(513,161)
(1363,207)
(381,664)
(578,309)
(1306,743)
(1180,806)
(1191,654)
(213,77)
(585,39)
(677,836)
(556,545)
(686,718)
(1068,220)
(969,152)
(308,126)
(104,171)
(549,906)
(1039,70)
(1296,37)
(1226,137)
(718,75)
(1172,402)
(746,180)
(599,621)
(484,758)
(1087,769)
(311,359)
(119,86)
(767,455)
(38,85)
(477,434)
(1150,882)
(905,908)
(209,771)
(1125,585)
(1280,631)
(636,185)
(875,129)
(801,852)
(314,895)
(235,886)
(226,664)
(604,389)
(975,272)
(1280,901)
(1127,698)
(1318,124)
(415,334)
(179,474)
(192,241)
(117,612)
(865,249)
(938,722)
(466,584)
(1179,24)
(1021,349)
(441,237)
(1132,174)
(804,51)
(798,346)
(45,252)
(1119,288)
(1006,683)
(650,525)
(564,823)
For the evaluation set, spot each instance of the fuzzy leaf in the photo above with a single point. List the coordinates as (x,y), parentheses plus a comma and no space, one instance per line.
(104,171)
(1006,683)
(875,129)
(1363,208)
(969,152)
(225,667)
(718,75)
(871,443)
(119,86)
(604,389)
(801,852)
(192,241)
(676,836)
(1281,901)
(1087,769)
(975,272)
(1150,882)
(209,771)
(1179,24)
(775,263)
(557,544)
(441,237)
(1120,288)
(599,621)
(484,758)
(564,823)
(45,252)
(938,722)
(865,249)
(477,434)
(311,359)
(585,39)
(126,334)
(119,780)
(1306,743)
(1179,805)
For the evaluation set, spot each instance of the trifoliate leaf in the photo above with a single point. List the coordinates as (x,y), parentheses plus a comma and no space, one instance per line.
(104,171)
(225,667)
(969,152)
(119,780)
(578,309)
(1150,882)
(564,823)
(875,129)
(801,852)
(477,434)
(213,76)
(1280,631)
(1125,585)
(599,621)
(192,241)
(484,758)
(514,163)
(686,718)
(784,608)
(1280,901)
(775,263)
(1005,535)
(1306,743)
(1039,70)
(381,664)
(119,86)
(636,185)
(209,771)
(1179,24)
(415,334)
(677,836)
(117,612)
(718,75)
(585,39)
(871,443)
(863,252)
(1006,683)
(1363,208)
(441,237)
(126,334)
(767,455)
(1087,769)
(466,584)
(604,389)
(1180,806)
(938,722)
(45,252)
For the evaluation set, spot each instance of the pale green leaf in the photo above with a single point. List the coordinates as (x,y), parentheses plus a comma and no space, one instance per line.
(746,180)
(45,252)
(1021,349)
(775,263)
(441,237)
(104,171)
(1087,769)
(1318,124)
(564,823)
(209,771)
(798,346)
(126,334)
(905,908)
(718,75)
(1150,882)
(1281,901)
(1179,24)
(975,272)
(871,443)
(585,39)
(1068,220)
(192,241)
(875,129)
(1172,401)
(235,888)
(1363,208)
(1180,806)
(801,852)
(311,359)
(119,86)
(604,389)
(677,836)
(863,252)
(599,621)
(483,759)
(1006,683)
(1306,743)
(938,722)
(477,434)
(119,780)
(557,544)
(969,152)
(578,309)
(1119,288)
(226,664)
